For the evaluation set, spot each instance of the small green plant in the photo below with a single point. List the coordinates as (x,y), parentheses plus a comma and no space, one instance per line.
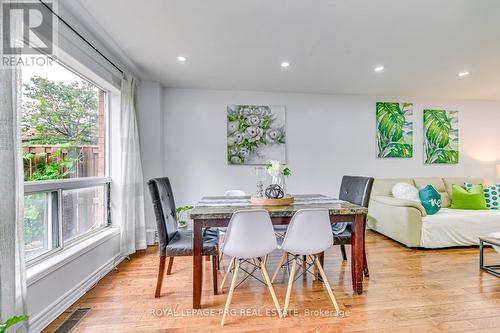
(275,168)
(181,210)
(51,170)
(11,322)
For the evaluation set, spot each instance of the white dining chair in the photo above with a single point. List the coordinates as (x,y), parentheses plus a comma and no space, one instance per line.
(249,238)
(222,231)
(309,233)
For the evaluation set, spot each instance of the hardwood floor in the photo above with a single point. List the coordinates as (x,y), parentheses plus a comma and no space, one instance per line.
(408,291)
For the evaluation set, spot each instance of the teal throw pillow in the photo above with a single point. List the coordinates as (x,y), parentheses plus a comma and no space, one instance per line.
(491,195)
(430,199)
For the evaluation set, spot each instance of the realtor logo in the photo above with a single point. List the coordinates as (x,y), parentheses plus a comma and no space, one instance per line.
(27,27)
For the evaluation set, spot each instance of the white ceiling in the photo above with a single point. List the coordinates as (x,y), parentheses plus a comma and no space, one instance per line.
(332,45)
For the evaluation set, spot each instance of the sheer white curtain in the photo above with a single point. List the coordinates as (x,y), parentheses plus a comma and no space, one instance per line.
(12,268)
(133,224)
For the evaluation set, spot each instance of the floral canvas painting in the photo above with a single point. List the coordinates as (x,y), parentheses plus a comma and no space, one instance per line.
(394,129)
(255,134)
(441,136)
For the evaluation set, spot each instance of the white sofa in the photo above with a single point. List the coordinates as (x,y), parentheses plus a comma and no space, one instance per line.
(407,222)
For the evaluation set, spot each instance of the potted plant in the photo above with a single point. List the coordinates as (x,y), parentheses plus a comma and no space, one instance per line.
(11,322)
(278,172)
(180,212)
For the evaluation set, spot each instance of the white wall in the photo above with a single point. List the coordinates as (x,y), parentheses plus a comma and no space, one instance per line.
(68,276)
(149,121)
(327,136)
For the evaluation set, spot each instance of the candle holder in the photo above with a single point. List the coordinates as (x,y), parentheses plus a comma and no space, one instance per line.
(260,175)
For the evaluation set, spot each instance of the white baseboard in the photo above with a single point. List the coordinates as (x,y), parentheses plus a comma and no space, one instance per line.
(44,318)
(151,236)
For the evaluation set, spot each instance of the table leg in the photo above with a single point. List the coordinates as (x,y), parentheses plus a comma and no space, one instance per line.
(357,253)
(321,258)
(197,263)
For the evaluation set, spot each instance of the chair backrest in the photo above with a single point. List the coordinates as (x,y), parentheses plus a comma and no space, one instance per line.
(250,234)
(356,190)
(309,232)
(164,206)
(234,193)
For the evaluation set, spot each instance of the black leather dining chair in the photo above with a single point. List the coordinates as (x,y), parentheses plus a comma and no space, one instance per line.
(172,241)
(356,190)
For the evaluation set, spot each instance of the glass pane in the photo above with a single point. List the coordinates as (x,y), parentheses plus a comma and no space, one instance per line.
(63,124)
(83,211)
(40,223)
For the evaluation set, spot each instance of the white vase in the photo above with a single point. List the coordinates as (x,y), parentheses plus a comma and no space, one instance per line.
(280,181)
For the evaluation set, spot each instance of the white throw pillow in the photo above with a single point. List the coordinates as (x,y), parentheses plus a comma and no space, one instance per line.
(405,191)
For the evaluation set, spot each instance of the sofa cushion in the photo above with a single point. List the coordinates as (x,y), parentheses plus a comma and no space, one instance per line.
(491,195)
(388,201)
(384,187)
(468,199)
(438,184)
(405,191)
(460,181)
(431,199)
(458,227)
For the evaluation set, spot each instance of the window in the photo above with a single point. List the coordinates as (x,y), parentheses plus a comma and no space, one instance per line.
(40,223)
(64,134)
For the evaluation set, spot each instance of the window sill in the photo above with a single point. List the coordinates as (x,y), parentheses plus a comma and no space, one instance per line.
(51,264)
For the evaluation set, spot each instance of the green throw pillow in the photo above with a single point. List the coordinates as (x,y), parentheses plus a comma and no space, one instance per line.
(430,199)
(468,199)
(491,195)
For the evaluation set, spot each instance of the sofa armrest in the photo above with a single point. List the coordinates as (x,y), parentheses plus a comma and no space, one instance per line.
(391,201)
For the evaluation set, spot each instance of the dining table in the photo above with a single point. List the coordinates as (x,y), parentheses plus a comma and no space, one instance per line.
(216,212)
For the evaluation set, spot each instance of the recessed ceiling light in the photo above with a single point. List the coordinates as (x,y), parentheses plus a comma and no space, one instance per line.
(181,58)
(379,69)
(285,64)
(461,74)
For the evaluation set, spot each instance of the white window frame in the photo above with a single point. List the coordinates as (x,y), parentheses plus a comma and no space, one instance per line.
(59,185)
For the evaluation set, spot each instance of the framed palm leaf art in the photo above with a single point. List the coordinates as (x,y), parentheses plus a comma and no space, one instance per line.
(440,137)
(394,130)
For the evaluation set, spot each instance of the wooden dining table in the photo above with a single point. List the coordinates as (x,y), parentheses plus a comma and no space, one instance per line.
(212,212)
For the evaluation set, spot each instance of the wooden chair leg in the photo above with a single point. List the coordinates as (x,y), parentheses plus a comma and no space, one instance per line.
(221,255)
(270,286)
(231,263)
(280,263)
(170,263)
(230,295)
(221,241)
(321,258)
(327,285)
(304,265)
(214,274)
(342,249)
(161,273)
(289,288)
